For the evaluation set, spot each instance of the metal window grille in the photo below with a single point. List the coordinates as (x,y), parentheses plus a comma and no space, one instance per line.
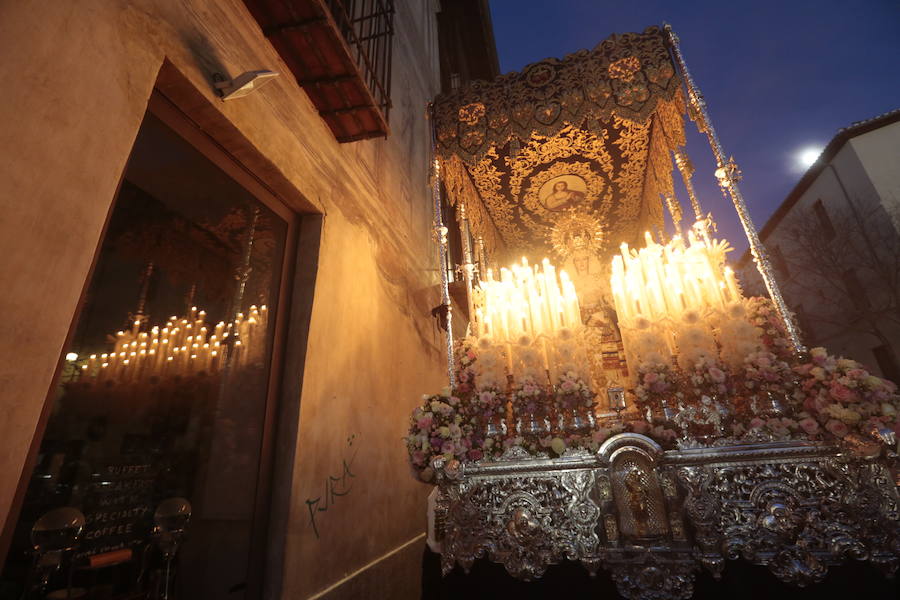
(368,28)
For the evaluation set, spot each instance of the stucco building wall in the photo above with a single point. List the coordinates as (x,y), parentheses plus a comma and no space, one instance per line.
(79,77)
(879,153)
(857,177)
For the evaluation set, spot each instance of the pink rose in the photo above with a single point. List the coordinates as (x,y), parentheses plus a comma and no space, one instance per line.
(837,428)
(640,426)
(842,394)
(717,375)
(600,434)
(809,425)
(809,404)
(418,458)
(475,454)
(650,377)
(424,423)
(448,447)
(756,423)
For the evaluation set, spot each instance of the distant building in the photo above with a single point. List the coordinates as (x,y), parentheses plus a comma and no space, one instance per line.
(835,246)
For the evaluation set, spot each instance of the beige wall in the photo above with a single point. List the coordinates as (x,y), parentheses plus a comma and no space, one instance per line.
(879,152)
(79,74)
(849,177)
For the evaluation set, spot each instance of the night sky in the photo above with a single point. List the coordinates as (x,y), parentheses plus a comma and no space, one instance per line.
(777,76)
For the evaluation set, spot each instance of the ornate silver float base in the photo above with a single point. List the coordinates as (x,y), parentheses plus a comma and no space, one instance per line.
(653,518)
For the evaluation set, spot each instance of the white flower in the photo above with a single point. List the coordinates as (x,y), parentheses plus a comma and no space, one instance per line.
(850,417)
(558,445)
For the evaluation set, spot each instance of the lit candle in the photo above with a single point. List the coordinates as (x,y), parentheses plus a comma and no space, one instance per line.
(732,284)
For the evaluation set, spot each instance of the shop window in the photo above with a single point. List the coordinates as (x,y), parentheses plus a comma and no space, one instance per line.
(158,420)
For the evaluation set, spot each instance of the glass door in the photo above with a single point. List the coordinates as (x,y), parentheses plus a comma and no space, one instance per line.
(156,442)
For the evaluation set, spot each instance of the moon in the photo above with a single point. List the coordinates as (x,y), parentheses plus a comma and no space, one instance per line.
(807,156)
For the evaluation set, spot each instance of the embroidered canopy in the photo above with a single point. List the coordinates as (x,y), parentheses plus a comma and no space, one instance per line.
(567,151)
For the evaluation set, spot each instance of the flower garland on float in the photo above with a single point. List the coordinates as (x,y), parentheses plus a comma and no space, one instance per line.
(708,364)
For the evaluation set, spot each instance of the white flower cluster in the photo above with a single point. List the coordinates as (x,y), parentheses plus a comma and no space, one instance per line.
(694,336)
(694,341)
(647,344)
(490,368)
(738,337)
(528,359)
(569,356)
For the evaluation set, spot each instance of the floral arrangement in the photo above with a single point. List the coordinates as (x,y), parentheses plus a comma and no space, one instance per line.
(694,340)
(437,430)
(763,371)
(488,364)
(465,367)
(841,396)
(662,435)
(744,384)
(487,415)
(528,397)
(656,382)
(572,392)
(736,335)
(488,403)
(761,314)
(706,377)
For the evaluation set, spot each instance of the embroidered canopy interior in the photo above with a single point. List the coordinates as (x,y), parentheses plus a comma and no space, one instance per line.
(567,151)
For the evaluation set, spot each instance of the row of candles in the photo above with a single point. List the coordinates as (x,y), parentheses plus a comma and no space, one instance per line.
(526,301)
(182,347)
(660,281)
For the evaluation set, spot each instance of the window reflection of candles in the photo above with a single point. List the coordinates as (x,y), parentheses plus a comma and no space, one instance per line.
(181,347)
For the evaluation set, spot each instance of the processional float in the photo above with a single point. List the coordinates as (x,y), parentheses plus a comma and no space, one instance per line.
(617,399)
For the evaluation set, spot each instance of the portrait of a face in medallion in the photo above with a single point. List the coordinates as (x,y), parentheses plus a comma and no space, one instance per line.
(565,191)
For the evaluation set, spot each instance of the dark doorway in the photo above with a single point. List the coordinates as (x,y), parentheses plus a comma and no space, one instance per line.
(164,405)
